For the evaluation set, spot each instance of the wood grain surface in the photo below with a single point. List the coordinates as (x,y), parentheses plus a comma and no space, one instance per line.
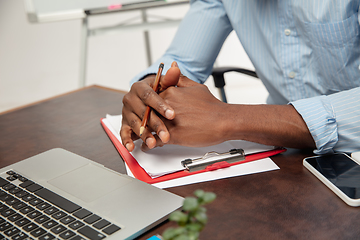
(289,203)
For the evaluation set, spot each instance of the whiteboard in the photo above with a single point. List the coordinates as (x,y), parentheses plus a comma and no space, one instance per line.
(58,10)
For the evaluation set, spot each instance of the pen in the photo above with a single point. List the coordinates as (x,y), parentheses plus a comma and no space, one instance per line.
(155,88)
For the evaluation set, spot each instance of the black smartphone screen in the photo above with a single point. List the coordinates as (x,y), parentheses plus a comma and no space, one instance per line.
(341,170)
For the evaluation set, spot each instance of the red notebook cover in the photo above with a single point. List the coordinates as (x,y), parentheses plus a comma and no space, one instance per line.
(142,175)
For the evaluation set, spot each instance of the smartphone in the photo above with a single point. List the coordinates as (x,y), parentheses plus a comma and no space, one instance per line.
(340,173)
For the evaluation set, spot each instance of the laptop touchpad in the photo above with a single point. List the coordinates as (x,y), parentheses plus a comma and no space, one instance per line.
(89,182)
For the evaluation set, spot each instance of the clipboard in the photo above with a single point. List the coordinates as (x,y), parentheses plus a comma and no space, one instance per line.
(142,175)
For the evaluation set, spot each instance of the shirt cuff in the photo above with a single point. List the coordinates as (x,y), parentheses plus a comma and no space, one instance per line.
(319,116)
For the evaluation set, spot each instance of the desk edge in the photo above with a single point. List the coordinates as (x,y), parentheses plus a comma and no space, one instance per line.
(56,96)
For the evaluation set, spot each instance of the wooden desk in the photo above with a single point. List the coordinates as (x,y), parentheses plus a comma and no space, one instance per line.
(289,203)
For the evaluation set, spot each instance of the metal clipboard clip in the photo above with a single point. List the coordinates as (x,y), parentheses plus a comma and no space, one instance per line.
(235,155)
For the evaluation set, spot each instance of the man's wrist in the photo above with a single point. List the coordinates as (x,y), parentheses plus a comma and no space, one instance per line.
(229,126)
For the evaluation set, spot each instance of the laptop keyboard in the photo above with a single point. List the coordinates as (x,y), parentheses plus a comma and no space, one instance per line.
(30,211)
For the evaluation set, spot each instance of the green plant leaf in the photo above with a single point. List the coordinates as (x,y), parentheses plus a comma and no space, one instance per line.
(201,217)
(194,235)
(199,193)
(200,210)
(169,234)
(180,231)
(179,217)
(192,219)
(194,227)
(172,233)
(209,197)
(190,204)
(182,237)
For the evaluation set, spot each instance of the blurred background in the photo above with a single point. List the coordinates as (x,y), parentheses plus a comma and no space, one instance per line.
(42,60)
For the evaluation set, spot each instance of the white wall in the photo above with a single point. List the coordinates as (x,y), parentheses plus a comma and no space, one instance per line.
(38,61)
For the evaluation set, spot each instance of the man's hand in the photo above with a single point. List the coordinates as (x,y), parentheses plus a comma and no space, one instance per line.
(199,115)
(202,120)
(134,106)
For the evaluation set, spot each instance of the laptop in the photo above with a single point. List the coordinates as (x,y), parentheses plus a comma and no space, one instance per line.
(60,195)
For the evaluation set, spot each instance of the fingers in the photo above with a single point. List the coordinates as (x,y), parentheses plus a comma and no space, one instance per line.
(149,142)
(135,103)
(158,143)
(174,64)
(171,77)
(127,137)
(150,98)
(174,78)
(157,126)
(130,130)
(133,113)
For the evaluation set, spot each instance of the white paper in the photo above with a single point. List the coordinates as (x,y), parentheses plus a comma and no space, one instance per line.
(262,165)
(258,166)
(167,159)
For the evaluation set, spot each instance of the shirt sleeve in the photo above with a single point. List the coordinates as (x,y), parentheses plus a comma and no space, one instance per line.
(333,120)
(197,42)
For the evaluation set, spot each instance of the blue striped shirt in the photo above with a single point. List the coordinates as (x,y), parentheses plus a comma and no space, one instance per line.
(306,52)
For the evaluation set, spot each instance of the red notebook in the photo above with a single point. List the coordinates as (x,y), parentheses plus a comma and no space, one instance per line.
(142,175)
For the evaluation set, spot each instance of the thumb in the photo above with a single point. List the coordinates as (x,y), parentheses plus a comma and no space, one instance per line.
(171,77)
(183,81)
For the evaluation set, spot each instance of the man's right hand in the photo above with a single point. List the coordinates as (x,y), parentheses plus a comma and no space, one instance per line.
(135,102)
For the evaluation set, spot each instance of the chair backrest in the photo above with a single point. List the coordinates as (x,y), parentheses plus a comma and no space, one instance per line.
(219,80)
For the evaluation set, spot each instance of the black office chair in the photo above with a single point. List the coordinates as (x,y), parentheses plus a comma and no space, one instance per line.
(219,80)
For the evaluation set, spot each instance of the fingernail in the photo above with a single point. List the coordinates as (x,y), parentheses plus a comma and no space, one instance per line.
(127,146)
(174,64)
(169,114)
(163,136)
(149,142)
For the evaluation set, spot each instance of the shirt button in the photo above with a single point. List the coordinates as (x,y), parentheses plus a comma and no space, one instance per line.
(292,74)
(287,32)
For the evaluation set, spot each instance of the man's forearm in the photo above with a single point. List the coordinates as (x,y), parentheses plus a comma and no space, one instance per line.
(278,125)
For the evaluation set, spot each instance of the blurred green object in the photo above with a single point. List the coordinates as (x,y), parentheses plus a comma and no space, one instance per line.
(191,219)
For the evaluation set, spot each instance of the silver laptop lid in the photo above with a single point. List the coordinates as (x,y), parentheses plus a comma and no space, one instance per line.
(128,203)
